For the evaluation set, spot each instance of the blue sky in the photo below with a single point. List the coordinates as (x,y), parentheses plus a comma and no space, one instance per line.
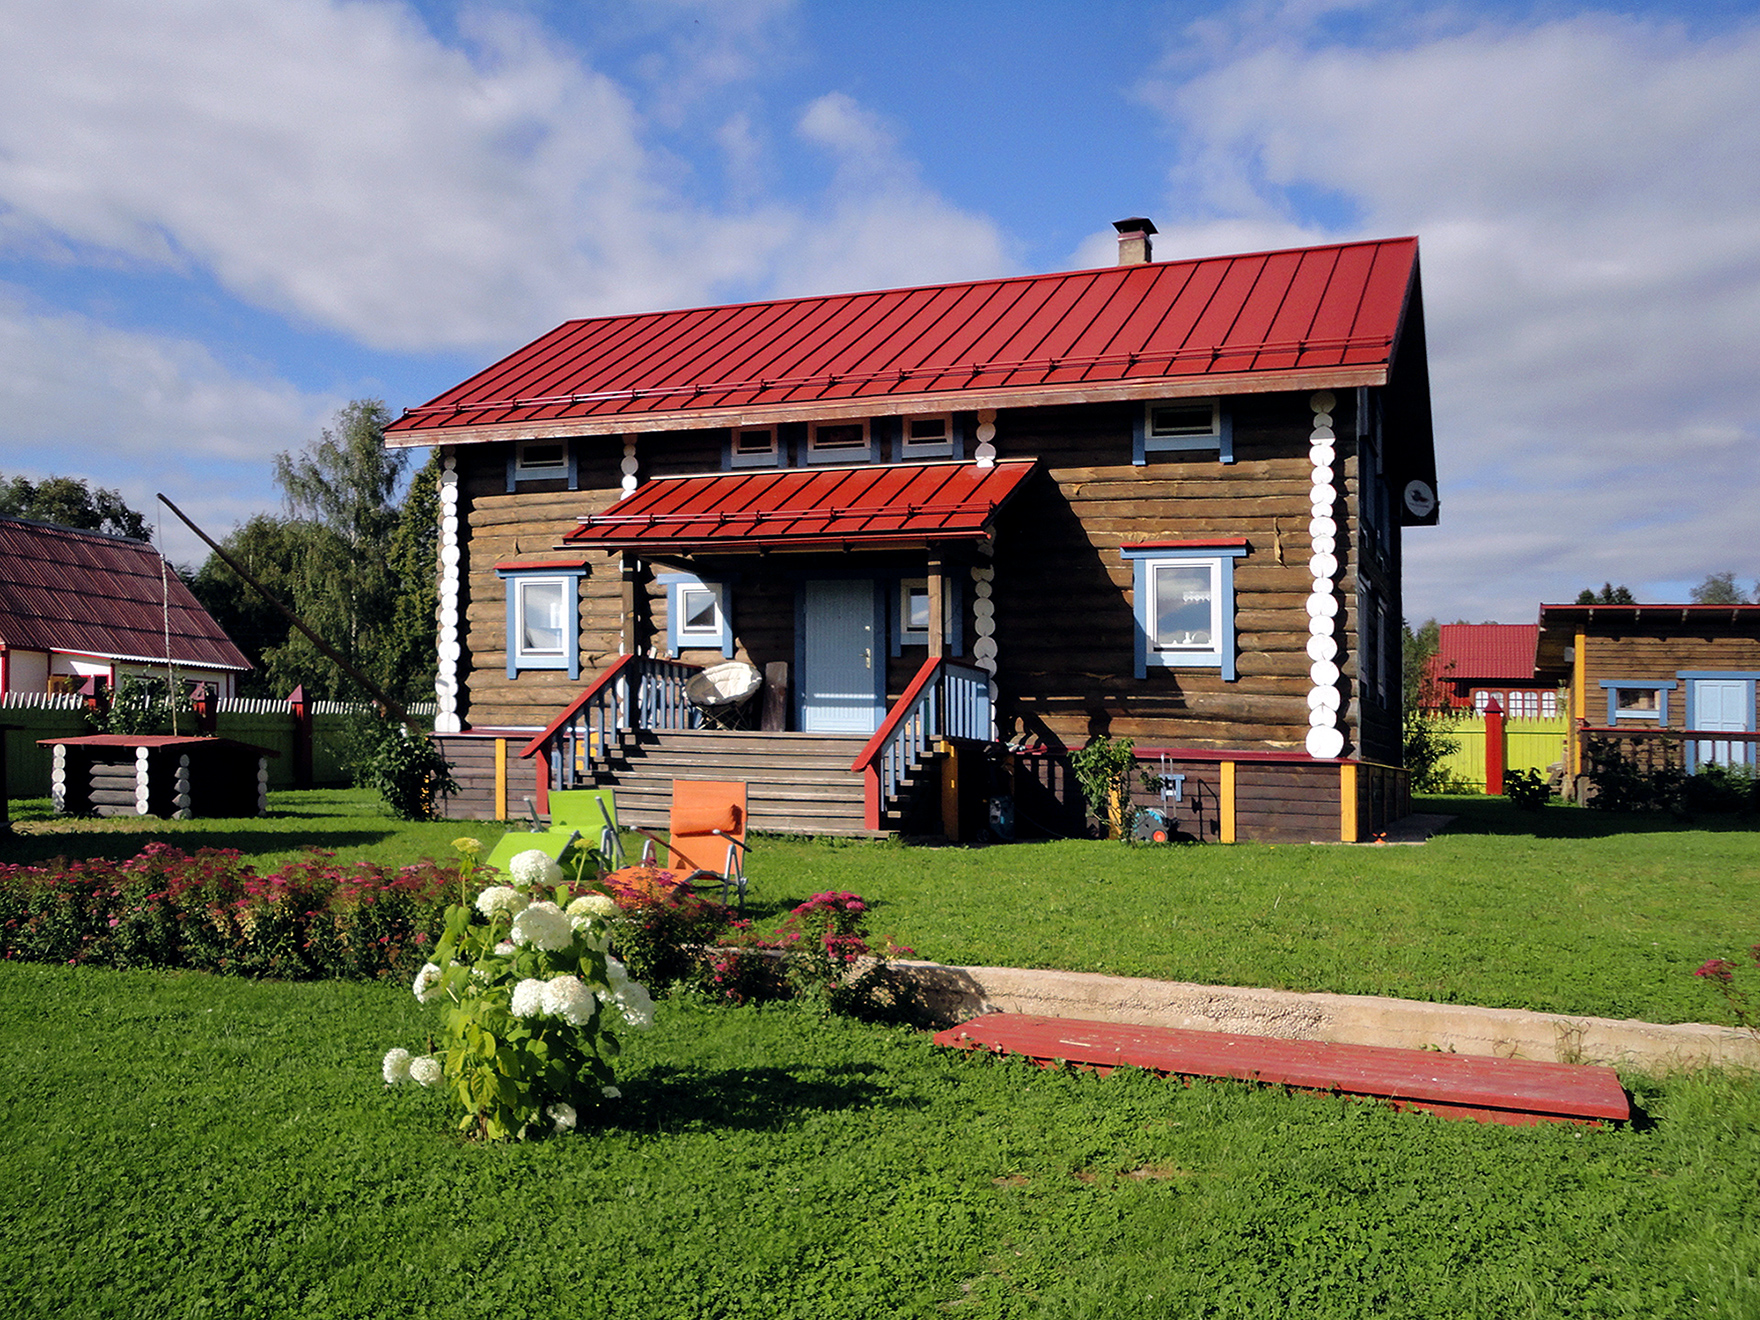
(221,219)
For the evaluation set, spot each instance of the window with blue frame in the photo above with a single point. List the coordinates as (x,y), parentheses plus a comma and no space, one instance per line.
(1181,427)
(543,616)
(1637,700)
(697,614)
(1183,601)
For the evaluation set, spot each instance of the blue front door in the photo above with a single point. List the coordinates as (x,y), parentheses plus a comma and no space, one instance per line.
(842,664)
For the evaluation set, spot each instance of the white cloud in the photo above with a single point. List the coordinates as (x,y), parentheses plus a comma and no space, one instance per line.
(1587,192)
(144,413)
(339,164)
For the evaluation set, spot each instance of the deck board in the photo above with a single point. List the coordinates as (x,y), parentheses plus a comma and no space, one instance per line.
(1516,1091)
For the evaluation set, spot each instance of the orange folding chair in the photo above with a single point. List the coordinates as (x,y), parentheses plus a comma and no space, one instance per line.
(706,815)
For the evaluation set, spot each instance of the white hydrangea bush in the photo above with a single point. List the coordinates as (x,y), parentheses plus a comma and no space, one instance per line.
(532,1003)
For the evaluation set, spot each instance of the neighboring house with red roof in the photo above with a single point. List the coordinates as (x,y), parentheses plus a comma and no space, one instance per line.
(1478,663)
(76,604)
(1161,500)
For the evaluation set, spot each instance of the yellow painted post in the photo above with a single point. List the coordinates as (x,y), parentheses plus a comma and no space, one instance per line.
(501,779)
(1347,802)
(1579,693)
(1225,807)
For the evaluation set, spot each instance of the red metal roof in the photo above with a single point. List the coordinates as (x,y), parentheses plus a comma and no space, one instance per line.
(1304,318)
(83,592)
(812,507)
(1496,652)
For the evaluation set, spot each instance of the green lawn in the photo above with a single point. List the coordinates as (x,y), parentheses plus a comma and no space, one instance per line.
(180,1145)
(1564,911)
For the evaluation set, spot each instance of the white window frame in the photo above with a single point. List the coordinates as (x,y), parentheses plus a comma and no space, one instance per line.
(860,453)
(1217,558)
(718,636)
(904,635)
(1218,440)
(518,580)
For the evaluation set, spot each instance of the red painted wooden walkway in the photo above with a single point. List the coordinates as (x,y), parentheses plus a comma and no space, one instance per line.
(1490,1090)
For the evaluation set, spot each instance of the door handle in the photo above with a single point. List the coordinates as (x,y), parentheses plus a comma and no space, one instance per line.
(868,656)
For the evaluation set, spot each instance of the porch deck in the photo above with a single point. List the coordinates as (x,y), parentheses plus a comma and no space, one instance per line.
(1489,1090)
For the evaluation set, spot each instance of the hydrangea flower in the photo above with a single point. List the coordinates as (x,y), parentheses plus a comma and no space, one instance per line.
(543,926)
(611,1093)
(426,1071)
(528,998)
(630,997)
(593,905)
(427,986)
(497,899)
(562,1117)
(396,1067)
(534,867)
(568,998)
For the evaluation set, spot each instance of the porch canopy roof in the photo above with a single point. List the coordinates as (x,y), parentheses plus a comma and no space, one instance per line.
(1327,317)
(865,507)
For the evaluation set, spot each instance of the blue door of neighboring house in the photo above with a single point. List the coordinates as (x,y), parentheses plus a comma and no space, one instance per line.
(842,666)
(1723,704)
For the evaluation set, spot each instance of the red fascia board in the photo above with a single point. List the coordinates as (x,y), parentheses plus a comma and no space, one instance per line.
(1210,543)
(539,565)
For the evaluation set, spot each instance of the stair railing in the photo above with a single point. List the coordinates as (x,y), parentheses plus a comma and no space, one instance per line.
(634,692)
(946,699)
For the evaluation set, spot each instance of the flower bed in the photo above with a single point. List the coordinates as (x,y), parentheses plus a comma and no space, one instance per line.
(212,912)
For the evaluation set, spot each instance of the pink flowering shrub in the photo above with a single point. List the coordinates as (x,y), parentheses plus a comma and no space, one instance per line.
(664,923)
(1721,972)
(212,912)
(821,952)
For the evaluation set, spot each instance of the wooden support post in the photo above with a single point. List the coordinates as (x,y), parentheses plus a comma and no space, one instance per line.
(1347,802)
(1225,803)
(501,779)
(937,607)
(950,789)
(1494,749)
(774,718)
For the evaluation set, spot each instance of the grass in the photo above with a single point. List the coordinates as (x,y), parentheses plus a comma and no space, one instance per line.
(349,821)
(1564,910)
(180,1145)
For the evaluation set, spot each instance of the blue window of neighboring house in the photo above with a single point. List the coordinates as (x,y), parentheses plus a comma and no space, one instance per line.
(543,616)
(1183,600)
(1631,699)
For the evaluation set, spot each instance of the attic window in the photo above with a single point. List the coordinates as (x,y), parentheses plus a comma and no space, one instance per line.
(1183,426)
(538,459)
(829,442)
(753,446)
(926,437)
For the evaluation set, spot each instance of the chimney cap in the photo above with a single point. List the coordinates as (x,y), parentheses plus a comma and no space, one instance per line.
(1136,224)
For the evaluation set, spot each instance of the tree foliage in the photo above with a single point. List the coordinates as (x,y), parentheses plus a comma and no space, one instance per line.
(1608,595)
(1721,589)
(354,561)
(72,502)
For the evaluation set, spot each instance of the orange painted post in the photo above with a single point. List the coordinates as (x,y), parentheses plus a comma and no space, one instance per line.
(1494,749)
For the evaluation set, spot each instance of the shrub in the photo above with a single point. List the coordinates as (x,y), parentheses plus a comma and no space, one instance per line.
(404,768)
(1427,741)
(212,912)
(664,924)
(1721,972)
(1528,789)
(1103,771)
(531,1000)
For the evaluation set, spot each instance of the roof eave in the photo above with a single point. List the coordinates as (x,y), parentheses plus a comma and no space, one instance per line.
(888,405)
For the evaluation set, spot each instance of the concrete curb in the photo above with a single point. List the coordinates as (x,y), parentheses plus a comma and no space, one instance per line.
(958,993)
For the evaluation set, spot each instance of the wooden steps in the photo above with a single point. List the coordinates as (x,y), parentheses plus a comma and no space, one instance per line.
(797,783)
(1489,1090)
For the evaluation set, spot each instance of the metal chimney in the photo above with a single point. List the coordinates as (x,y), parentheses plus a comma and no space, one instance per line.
(1134,247)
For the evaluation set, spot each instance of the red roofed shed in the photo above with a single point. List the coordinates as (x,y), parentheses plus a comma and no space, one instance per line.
(75,604)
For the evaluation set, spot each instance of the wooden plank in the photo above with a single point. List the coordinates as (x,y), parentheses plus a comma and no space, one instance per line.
(1517,1091)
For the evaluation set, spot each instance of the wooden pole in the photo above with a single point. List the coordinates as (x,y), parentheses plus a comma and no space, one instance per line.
(386,703)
